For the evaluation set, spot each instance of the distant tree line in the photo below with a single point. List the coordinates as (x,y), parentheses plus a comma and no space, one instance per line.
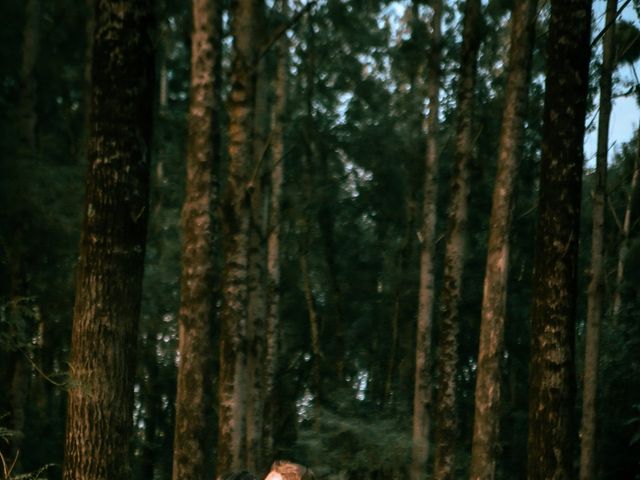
(359,235)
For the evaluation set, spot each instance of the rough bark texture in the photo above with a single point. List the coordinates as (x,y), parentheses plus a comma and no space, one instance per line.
(595,292)
(256,321)
(552,368)
(423,382)
(192,438)
(447,426)
(109,275)
(273,239)
(486,427)
(236,209)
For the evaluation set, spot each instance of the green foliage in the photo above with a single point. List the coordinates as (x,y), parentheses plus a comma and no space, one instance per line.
(627,42)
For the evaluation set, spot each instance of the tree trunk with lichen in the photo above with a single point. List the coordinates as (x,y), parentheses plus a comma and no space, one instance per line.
(486,426)
(256,320)
(423,382)
(552,366)
(236,221)
(273,240)
(192,437)
(109,275)
(446,430)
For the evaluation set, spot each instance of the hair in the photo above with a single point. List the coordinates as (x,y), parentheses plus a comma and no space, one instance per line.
(292,471)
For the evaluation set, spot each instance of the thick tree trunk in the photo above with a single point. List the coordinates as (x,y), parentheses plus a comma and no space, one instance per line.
(552,367)
(447,427)
(236,211)
(192,438)
(109,275)
(486,427)
(595,293)
(423,382)
(273,239)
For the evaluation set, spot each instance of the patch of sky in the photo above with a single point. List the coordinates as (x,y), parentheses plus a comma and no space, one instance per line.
(625,112)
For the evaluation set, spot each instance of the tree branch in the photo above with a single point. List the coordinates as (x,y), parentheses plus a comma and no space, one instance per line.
(610,24)
(283,27)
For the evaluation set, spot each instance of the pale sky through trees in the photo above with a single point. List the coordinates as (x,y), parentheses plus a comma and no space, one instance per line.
(625,112)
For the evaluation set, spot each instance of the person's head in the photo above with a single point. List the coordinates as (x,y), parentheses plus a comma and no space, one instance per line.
(290,471)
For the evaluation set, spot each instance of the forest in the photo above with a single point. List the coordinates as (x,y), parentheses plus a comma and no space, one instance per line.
(380,239)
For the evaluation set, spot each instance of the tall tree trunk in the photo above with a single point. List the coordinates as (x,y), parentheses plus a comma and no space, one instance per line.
(552,367)
(90,25)
(326,222)
(595,292)
(236,209)
(256,326)
(192,439)
(626,231)
(15,367)
(447,426)
(28,84)
(486,427)
(273,239)
(423,382)
(109,275)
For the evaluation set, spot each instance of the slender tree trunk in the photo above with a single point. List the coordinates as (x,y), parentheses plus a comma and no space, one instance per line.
(486,427)
(90,25)
(192,438)
(28,84)
(326,222)
(423,382)
(16,367)
(314,323)
(151,403)
(595,292)
(626,231)
(236,208)
(273,239)
(256,322)
(447,427)
(109,275)
(552,367)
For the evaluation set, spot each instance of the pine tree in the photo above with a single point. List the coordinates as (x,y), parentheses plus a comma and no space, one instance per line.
(551,367)
(109,275)
(446,409)
(192,439)
(485,450)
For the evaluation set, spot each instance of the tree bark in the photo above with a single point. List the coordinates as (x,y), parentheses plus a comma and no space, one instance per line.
(273,238)
(595,292)
(486,427)
(447,427)
(256,322)
(626,231)
(192,438)
(423,382)
(109,275)
(552,367)
(236,212)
